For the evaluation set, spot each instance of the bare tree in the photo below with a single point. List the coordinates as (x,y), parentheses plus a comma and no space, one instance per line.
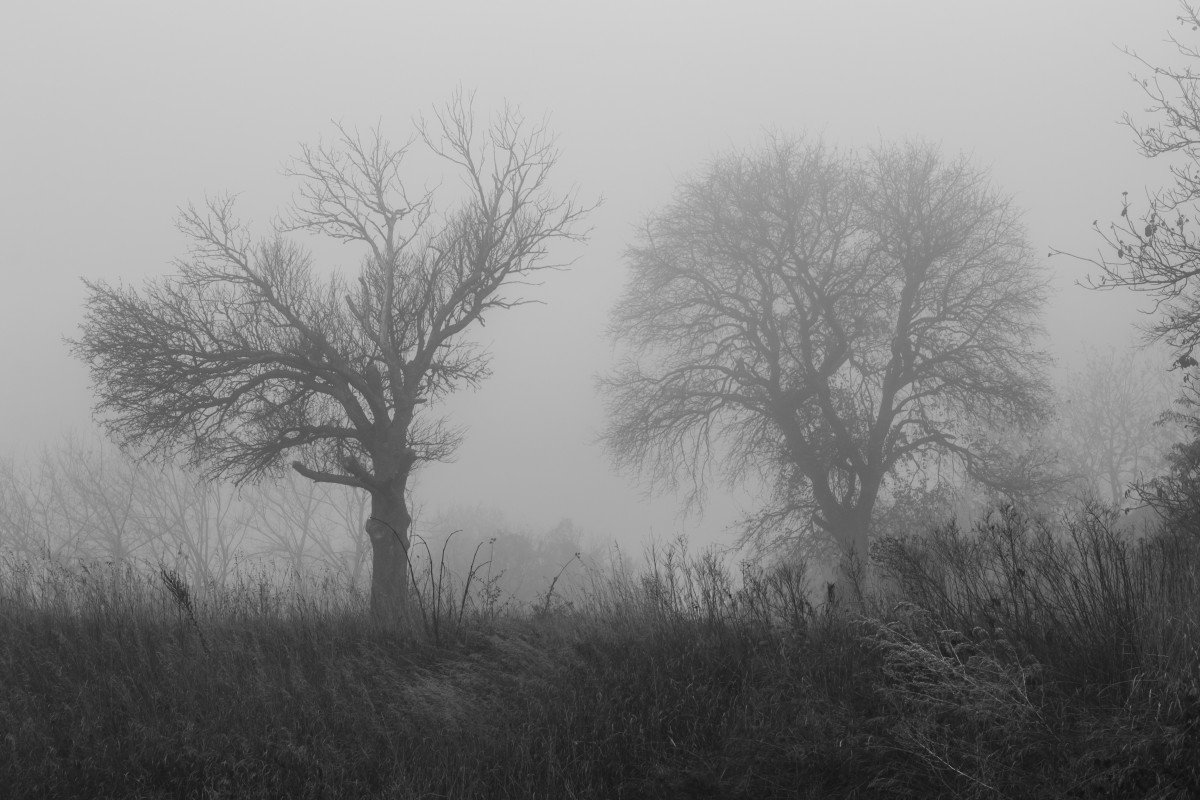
(246,354)
(288,521)
(19,530)
(200,524)
(105,486)
(1111,432)
(822,320)
(1156,248)
(350,511)
(41,512)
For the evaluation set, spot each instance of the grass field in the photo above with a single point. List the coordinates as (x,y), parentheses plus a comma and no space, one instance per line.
(1005,661)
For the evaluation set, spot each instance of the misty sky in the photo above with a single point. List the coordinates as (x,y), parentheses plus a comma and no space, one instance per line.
(117,113)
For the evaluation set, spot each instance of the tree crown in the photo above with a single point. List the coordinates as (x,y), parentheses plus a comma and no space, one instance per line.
(246,353)
(822,319)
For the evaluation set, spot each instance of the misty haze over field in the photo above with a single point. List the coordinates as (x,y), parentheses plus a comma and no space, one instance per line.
(118,114)
(659,399)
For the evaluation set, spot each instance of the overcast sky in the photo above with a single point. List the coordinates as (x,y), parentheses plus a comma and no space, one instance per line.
(116,113)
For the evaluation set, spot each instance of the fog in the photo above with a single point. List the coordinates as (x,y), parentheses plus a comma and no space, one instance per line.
(117,113)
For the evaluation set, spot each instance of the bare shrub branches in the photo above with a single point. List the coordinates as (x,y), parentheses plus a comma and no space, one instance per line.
(1156,248)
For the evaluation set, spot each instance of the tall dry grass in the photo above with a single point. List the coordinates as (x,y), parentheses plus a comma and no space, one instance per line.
(1010,660)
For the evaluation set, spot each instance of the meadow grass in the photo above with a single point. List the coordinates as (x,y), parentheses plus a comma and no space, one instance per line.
(1006,660)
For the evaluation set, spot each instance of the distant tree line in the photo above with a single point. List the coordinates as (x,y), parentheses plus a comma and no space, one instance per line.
(83,502)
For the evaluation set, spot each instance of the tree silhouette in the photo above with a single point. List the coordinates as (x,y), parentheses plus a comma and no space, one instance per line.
(1109,431)
(247,355)
(822,320)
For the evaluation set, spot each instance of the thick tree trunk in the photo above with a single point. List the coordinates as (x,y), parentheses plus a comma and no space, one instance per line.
(853,576)
(388,528)
(853,569)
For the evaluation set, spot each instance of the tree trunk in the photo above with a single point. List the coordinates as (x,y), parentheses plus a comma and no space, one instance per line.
(853,579)
(388,528)
(1114,484)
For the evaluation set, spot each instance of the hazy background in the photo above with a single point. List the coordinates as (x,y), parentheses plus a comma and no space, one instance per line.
(114,114)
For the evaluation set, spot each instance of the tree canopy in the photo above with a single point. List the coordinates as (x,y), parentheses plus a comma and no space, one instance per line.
(248,356)
(829,322)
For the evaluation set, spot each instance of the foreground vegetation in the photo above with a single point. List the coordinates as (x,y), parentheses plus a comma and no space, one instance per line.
(1004,661)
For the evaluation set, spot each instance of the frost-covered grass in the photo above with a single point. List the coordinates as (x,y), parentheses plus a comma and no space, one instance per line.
(1003,665)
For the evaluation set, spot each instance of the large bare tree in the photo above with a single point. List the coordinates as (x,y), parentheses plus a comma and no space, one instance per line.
(248,355)
(826,321)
